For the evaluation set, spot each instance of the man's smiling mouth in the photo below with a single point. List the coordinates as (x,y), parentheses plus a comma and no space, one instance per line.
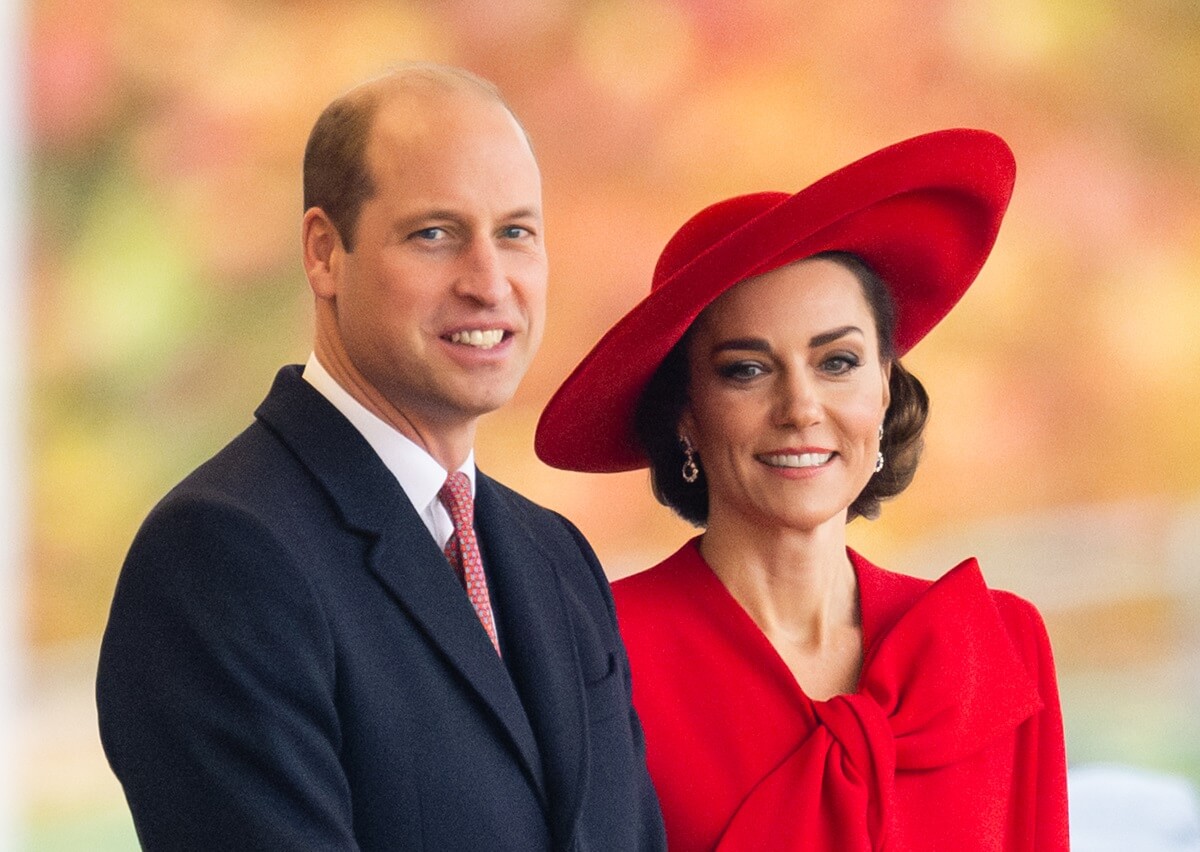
(479,338)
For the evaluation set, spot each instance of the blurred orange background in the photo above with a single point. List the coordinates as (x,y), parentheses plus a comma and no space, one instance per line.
(165,289)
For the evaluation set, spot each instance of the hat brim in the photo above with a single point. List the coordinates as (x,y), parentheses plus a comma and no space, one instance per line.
(923,214)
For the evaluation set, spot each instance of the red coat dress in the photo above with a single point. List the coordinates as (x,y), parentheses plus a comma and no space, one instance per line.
(953,740)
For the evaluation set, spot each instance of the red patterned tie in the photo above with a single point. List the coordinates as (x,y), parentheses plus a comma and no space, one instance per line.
(463,550)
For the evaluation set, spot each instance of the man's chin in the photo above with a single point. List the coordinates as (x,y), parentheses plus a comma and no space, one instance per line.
(479,399)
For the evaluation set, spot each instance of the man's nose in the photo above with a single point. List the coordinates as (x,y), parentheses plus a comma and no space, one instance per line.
(483,276)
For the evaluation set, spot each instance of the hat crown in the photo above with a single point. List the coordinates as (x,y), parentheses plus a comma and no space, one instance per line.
(707,228)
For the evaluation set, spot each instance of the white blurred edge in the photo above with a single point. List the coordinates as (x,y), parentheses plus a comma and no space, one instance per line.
(12,402)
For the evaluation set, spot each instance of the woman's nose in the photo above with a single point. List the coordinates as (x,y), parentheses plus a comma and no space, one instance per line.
(798,402)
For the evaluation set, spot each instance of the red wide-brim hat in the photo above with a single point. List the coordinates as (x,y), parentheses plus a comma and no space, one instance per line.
(922,213)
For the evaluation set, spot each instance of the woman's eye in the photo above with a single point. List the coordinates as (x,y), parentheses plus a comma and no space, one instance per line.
(840,363)
(742,370)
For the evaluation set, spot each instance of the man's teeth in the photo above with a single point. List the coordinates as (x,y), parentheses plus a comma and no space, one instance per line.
(798,459)
(482,339)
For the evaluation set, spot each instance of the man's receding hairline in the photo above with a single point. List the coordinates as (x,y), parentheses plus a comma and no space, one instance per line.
(368,97)
(417,78)
(338,177)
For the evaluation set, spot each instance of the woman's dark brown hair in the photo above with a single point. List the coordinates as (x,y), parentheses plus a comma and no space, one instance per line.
(656,421)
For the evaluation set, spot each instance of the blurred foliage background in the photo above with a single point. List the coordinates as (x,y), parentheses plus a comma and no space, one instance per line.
(165,289)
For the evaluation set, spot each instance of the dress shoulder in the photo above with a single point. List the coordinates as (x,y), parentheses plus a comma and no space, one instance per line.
(1027,631)
(1016,610)
(652,587)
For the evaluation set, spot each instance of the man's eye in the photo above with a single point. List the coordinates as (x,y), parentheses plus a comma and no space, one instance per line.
(430,234)
(514,232)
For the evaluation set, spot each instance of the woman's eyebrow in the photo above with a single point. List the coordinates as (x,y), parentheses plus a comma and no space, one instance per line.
(752,344)
(758,344)
(834,334)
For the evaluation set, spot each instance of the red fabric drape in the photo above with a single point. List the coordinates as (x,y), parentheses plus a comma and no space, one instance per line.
(953,739)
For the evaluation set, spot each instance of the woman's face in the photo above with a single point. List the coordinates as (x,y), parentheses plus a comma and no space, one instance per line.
(786,393)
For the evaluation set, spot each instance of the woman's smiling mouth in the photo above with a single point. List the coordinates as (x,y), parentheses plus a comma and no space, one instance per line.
(795,459)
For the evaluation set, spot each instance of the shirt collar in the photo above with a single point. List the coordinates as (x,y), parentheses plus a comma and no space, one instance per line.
(418,473)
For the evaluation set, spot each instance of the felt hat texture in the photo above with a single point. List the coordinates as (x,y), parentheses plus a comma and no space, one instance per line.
(923,214)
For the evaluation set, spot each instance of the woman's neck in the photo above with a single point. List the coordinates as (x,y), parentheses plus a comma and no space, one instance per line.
(800,588)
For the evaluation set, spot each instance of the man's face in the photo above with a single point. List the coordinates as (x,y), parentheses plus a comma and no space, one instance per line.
(441,305)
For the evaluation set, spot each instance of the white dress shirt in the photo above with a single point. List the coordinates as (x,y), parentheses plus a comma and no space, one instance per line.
(419,475)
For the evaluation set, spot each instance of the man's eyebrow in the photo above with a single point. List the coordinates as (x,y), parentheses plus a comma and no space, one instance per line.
(446,214)
(422,218)
(525,213)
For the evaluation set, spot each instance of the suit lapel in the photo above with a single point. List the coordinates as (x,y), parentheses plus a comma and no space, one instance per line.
(404,556)
(539,647)
(410,565)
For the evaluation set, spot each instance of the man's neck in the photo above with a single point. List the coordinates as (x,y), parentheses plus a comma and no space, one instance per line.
(448,444)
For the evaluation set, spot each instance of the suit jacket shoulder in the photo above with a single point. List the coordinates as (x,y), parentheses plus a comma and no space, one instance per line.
(290,663)
(558,537)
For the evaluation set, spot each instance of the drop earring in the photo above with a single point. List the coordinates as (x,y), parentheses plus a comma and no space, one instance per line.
(691,470)
(879,455)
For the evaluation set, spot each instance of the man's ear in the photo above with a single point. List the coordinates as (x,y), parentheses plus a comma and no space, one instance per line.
(322,251)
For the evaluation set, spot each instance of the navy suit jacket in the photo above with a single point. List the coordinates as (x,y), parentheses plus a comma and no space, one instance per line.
(290,663)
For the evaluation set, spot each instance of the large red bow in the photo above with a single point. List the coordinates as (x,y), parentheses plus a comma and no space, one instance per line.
(942,683)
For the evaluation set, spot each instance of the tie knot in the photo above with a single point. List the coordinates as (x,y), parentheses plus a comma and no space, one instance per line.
(456,497)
